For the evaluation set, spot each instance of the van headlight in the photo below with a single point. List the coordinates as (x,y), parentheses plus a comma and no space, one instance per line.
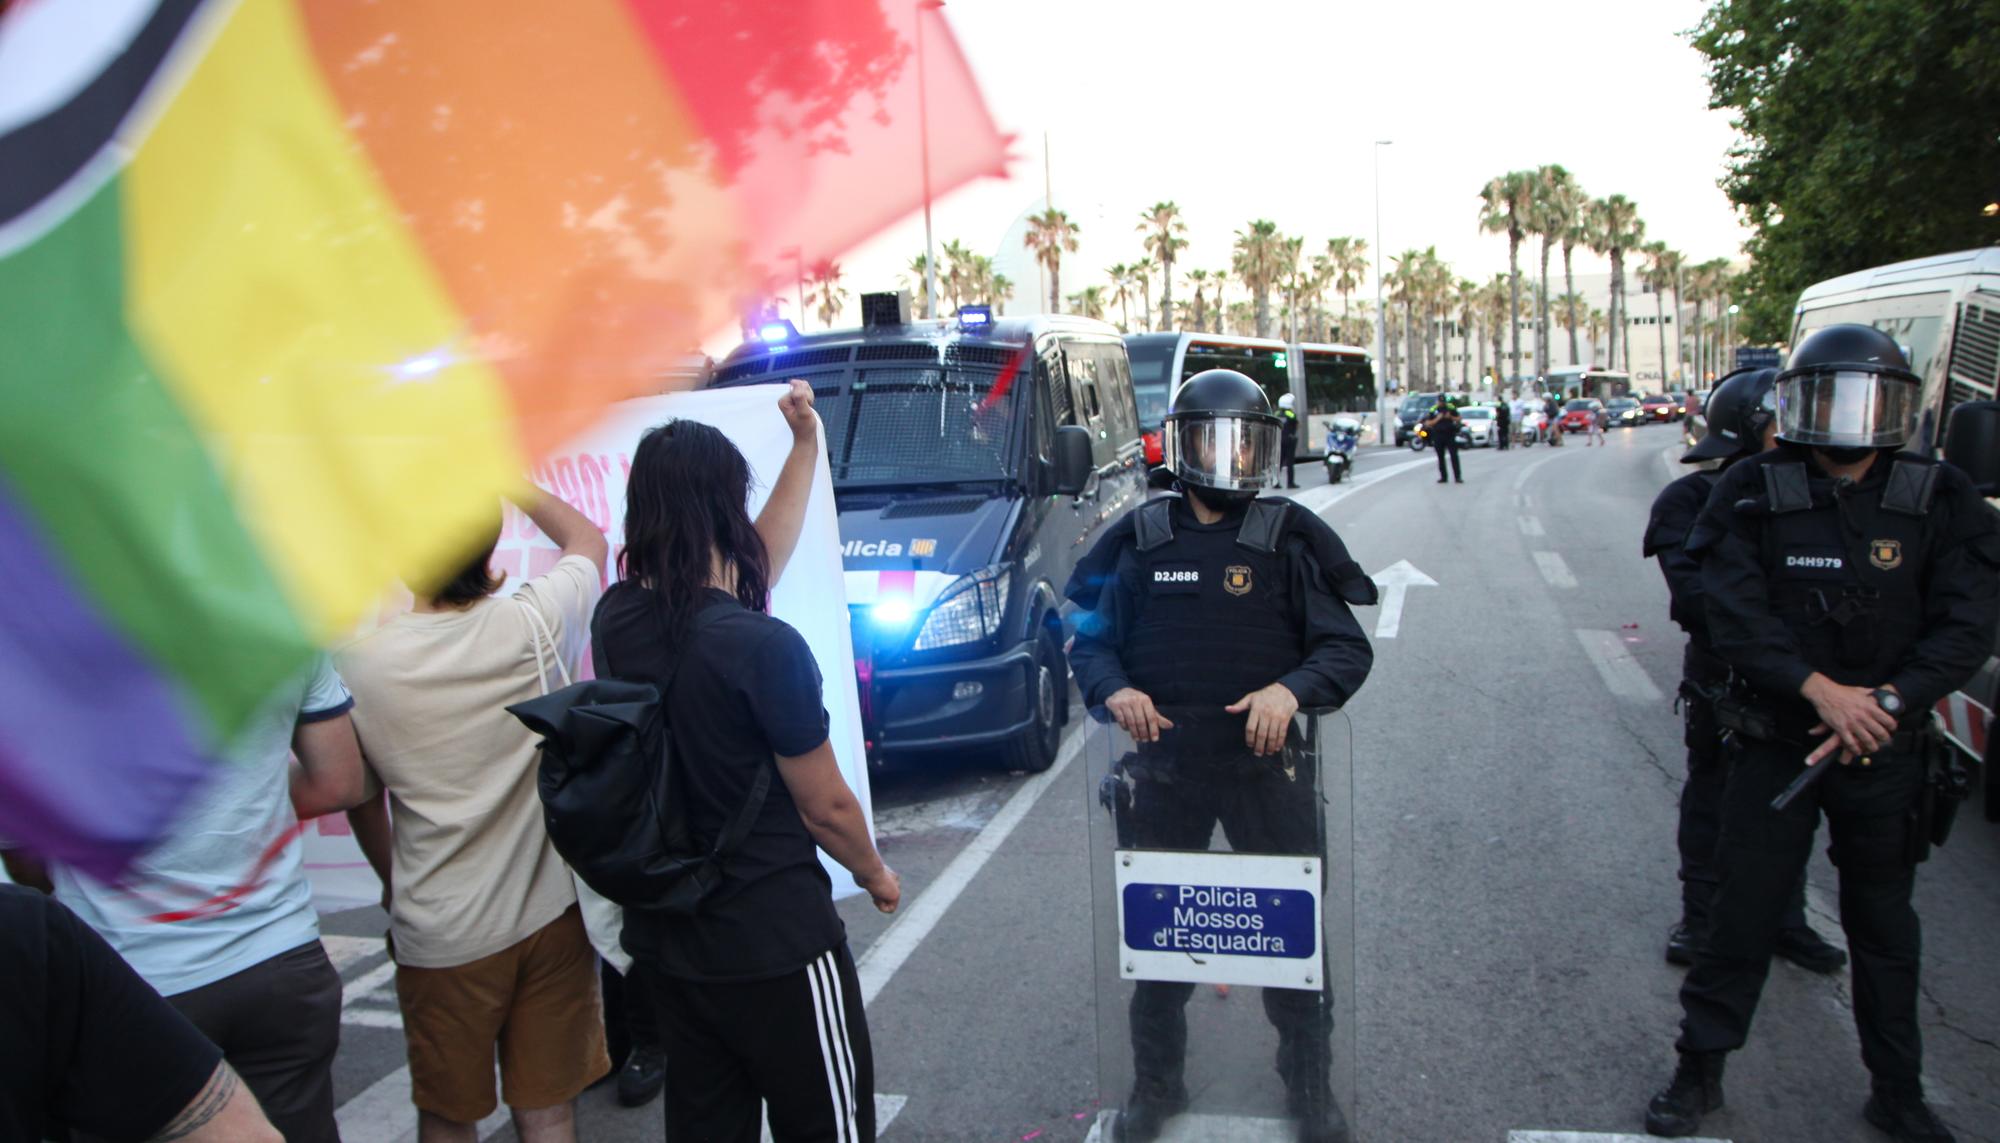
(967,612)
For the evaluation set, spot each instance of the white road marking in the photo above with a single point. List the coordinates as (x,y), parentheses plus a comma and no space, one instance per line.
(1325,496)
(368,983)
(916,920)
(384,1114)
(372,1018)
(1200,1128)
(346,952)
(1589,1137)
(1614,662)
(1521,477)
(1396,580)
(1531,525)
(1554,569)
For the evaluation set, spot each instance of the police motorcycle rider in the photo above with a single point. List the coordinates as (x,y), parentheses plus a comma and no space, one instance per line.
(1742,415)
(1211,617)
(1288,438)
(1849,587)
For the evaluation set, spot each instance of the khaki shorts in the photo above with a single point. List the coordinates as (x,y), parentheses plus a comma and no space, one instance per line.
(535,1003)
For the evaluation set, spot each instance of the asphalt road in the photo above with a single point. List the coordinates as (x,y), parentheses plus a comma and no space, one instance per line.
(1516,765)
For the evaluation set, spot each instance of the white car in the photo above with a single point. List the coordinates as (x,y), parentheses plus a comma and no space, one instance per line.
(1481,425)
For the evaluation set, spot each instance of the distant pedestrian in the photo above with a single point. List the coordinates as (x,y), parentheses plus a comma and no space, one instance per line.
(219,918)
(1442,429)
(1288,438)
(1504,420)
(87,1046)
(758,998)
(1600,419)
(492,958)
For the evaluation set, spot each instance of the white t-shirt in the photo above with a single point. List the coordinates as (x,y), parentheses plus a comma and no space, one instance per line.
(227,890)
(474,871)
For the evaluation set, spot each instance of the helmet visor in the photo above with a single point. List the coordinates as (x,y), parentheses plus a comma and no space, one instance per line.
(1230,453)
(1846,409)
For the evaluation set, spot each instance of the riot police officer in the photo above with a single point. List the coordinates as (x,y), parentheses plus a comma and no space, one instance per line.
(1849,587)
(1213,616)
(1742,416)
(1442,426)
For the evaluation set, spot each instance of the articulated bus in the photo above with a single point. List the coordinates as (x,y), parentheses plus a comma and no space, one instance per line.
(1569,381)
(1945,312)
(1324,380)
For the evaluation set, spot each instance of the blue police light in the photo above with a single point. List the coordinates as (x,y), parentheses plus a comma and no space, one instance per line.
(893,613)
(975,315)
(772,332)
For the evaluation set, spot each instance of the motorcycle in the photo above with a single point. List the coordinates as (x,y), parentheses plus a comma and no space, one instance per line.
(1343,439)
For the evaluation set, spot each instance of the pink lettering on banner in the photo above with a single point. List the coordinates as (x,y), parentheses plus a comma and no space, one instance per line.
(566,482)
(595,504)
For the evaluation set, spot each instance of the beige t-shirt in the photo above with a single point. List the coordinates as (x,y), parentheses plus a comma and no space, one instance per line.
(474,871)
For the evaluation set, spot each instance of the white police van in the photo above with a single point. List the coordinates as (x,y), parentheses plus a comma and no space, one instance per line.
(974,461)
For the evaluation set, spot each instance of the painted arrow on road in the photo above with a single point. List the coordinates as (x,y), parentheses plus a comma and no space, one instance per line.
(1395,582)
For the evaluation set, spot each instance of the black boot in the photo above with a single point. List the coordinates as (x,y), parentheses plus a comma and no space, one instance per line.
(1901,1111)
(1146,1113)
(1320,1119)
(642,1077)
(1696,1090)
(1807,949)
(1682,944)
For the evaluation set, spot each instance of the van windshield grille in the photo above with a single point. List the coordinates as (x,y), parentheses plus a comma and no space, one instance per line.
(922,425)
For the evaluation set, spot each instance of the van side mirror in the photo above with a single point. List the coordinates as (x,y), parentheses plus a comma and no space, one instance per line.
(1972,442)
(1073,462)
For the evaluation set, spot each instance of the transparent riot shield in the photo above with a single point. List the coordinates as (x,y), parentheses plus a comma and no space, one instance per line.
(1223,890)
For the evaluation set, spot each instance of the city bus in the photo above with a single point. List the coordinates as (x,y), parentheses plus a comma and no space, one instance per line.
(1324,380)
(1331,381)
(1568,381)
(1945,313)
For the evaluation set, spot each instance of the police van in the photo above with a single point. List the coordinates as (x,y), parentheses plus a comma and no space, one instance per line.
(974,461)
(1945,313)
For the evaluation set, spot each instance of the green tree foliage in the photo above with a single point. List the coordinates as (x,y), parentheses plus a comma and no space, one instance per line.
(1871,134)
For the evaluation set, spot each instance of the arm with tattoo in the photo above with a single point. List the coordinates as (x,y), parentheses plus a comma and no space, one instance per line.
(223,1111)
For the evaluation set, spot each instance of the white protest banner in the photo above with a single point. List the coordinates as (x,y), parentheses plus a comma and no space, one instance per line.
(590,473)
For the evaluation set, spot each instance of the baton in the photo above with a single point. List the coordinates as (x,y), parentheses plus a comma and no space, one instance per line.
(1800,784)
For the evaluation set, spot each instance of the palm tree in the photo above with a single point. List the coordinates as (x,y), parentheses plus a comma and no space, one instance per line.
(1576,234)
(1504,209)
(824,290)
(1406,285)
(1088,302)
(1553,210)
(1142,276)
(1465,296)
(959,273)
(1594,326)
(1349,258)
(1256,262)
(1497,299)
(1221,314)
(1242,319)
(1163,228)
(1198,316)
(1571,319)
(1002,288)
(1659,274)
(913,278)
(1616,228)
(1050,234)
(1291,281)
(1121,293)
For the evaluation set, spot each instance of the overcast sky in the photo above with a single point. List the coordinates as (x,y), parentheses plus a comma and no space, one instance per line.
(1242,109)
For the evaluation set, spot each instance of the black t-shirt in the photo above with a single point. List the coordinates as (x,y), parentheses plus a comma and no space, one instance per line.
(84,1042)
(746,690)
(1448,422)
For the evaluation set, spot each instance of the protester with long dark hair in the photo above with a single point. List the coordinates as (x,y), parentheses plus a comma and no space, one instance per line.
(757,992)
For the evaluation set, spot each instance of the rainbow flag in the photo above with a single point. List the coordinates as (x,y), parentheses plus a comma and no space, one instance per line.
(291,290)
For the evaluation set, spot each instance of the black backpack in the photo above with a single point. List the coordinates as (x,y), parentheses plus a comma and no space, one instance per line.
(613,798)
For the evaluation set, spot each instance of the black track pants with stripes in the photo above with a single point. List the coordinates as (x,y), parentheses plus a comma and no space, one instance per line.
(797,1042)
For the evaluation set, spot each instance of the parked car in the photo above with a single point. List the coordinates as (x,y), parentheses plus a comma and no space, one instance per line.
(1578,413)
(1481,430)
(1660,408)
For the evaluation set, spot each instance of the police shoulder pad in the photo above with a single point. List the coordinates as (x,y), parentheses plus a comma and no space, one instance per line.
(1153,523)
(1787,487)
(1265,521)
(1912,486)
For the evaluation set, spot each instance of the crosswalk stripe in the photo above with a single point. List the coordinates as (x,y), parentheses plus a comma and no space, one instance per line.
(1531,526)
(1590,1137)
(1555,569)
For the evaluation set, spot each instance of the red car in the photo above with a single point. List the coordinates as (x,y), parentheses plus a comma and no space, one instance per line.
(1659,407)
(1579,413)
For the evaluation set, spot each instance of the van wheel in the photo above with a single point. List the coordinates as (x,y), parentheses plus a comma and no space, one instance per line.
(1035,750)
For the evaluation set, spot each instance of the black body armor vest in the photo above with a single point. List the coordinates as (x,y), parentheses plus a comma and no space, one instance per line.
(1216,618)
(1846,566)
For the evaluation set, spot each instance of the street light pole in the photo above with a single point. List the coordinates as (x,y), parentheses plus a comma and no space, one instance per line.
(1382,434)
(924,147)
(1728,336)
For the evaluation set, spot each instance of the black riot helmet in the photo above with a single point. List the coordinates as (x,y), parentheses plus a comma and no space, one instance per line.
(1221,434)
(1847,386)
(1743,405)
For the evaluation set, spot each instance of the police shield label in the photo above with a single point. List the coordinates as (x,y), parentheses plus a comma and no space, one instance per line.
(1220,918)
(1236,579)
(1886,554)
